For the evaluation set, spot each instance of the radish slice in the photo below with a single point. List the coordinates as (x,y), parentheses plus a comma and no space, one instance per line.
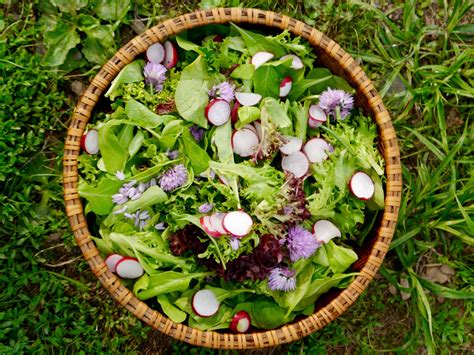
(293,145)
(362,186)
(205,303)
(112,260)
(238,223)
(316,150)
(155,53)
(90,142)
(296,63)
(325,230)
(234,114)
(244,142)
(260,58)
(258,128)
(224,180)
(251,127)
(313,123)
(218,112)
(240,322)
(295,163)
(316,113)
(129,268)
(218,38)
(285,86)
(248,98)
(216,220)
(205,222)
(171,55)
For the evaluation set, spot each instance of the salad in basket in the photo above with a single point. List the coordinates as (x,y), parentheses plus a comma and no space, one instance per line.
(228,179)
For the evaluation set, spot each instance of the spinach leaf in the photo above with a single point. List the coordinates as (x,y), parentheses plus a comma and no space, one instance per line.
(266,80)
(131,73)
(171,311)
(337,258)
(149,197)
(115,155)
(301,86)
(165,282)
(191,92)
(188,45)
(222,139)
(258,43)
(267,314)
(244,72)
(99,197)
(198,158)
(220,320)
(247,114)
(140,114)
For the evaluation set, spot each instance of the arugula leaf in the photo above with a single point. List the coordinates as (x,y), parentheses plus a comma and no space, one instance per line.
(131,73)
(59,41)
(222,138)
(170,133)
(258,43)
(299,114)
(136,143)
(113,153)
(191,92)
(99,197)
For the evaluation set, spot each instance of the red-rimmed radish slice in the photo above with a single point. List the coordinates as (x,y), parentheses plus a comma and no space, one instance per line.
(251,127)
(112,260)
(244,142)
(324,231)
(216,220)
(258,128)
(295,163)
(313,123)
(205,222)
(218,112)
(293,145)
(260,58)
(362,186)
(316,150)
(237,223)
(296,63)
(218,38)
(90,142)
(248,98)
(171,55)
(129,268)
(234,114)
(240,322)
(224,180)
(285,86)
(155,53)
(205,303)
(316,113)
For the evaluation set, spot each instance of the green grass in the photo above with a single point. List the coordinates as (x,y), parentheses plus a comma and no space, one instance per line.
(419,55)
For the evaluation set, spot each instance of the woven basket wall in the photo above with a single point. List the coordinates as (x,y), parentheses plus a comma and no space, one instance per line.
(371,255)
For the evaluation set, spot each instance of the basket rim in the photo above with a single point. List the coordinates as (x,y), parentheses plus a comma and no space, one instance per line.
(369,265)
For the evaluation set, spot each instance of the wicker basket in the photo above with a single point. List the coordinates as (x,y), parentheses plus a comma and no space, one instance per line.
(371,254)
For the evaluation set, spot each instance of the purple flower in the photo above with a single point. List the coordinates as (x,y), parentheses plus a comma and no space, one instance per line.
(160,226)
(282,279)
(119,199)
(197,133)
(120,175)
(140,219)
(223,90)
(300,243)
(173,178)
(287,210)
(155,75)
(234,243)
(172,154)
(205,208)
(332,99)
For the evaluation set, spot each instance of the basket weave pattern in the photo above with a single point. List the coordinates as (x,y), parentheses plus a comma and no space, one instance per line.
(331,55)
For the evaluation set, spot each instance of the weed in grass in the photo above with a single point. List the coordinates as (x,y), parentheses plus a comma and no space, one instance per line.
(419,55)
